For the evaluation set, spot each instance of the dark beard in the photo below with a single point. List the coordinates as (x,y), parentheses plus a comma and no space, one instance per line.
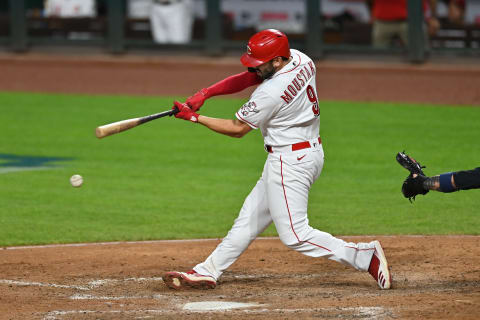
(268,74)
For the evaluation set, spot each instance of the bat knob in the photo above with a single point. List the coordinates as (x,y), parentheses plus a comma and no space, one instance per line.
(175,110)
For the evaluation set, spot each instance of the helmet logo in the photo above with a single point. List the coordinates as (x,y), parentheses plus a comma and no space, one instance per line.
(249,51)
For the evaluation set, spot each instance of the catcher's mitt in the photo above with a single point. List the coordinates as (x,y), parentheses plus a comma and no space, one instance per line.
(409,163)
(412,186)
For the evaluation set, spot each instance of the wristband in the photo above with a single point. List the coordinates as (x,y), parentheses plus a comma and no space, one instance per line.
(446,182)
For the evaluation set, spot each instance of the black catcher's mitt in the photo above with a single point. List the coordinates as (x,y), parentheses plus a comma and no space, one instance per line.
(412,186)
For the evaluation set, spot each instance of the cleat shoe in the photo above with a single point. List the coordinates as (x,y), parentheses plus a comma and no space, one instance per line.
(191,279)
(379,268)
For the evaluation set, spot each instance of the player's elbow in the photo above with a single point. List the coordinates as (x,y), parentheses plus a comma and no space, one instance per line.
(238,134)
(239,129)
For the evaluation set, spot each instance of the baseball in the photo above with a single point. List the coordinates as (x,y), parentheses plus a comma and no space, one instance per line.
(76,180)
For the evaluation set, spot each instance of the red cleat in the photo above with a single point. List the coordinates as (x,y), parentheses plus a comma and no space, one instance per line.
(379,268)
(191,279)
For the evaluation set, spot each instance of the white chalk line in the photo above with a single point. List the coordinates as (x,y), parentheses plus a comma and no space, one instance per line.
(79,296)
(59,314)
(217,305)
(356,312)
(41,284)
(100,282)
(91,285)
(88,244)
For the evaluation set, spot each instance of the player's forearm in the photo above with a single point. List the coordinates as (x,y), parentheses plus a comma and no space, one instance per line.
(229,127)
(233,84)
(228,85)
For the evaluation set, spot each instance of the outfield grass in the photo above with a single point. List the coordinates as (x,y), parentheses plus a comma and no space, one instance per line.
(170,179)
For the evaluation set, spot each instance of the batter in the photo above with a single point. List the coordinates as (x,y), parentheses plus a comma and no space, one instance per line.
(285,108)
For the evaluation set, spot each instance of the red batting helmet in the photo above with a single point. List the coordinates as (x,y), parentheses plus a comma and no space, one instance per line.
(264,46)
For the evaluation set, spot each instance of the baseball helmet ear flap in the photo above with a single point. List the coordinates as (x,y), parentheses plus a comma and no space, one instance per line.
(264,46)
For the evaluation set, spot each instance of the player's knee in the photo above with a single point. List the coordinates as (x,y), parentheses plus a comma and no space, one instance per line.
(238,241)
(294,238)
(290,240)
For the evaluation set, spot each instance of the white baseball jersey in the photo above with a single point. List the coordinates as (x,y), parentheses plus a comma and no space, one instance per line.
(285,107)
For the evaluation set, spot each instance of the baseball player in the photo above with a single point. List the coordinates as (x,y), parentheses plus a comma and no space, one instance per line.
(285,108)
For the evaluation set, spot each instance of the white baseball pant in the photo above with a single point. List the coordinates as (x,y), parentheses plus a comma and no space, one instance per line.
(281,196)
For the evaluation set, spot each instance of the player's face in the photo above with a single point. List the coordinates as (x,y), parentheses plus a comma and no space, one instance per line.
(266,70)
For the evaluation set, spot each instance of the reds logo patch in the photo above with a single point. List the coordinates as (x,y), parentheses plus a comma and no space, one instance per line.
(249,51)
(249,107)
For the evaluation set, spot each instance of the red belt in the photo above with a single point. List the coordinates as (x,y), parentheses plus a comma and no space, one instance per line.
(295,146)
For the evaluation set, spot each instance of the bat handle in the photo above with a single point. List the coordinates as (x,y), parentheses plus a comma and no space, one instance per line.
(176,110)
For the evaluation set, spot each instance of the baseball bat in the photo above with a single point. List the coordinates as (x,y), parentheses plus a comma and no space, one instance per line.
(119,126)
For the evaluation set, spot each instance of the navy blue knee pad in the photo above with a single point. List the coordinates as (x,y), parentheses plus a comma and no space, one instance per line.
(446,182)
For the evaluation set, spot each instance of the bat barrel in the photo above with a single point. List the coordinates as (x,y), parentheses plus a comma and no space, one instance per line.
(116,127)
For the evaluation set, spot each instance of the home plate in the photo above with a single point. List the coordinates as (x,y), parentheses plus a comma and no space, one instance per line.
(216,305)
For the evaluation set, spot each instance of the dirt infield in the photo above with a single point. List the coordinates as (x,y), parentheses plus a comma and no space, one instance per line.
(125,75)
(434,277)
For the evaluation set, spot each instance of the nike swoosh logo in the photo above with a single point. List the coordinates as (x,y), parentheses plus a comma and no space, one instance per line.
(300,158)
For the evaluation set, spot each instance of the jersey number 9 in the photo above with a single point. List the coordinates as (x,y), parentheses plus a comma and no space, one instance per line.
(312,96)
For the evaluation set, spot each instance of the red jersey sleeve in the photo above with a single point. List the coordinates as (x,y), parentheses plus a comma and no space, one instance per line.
(233,84)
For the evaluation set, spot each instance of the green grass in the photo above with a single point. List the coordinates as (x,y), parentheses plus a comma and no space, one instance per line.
(170,179)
